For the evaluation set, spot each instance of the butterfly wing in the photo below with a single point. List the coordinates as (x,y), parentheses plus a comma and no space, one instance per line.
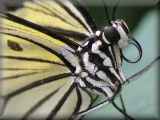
(58,14)
(34,77)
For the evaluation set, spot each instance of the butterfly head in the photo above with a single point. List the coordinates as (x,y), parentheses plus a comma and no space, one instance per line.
(117,33)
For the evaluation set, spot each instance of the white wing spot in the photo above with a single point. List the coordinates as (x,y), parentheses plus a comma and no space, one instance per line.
(88,65)
(81,83)
(98,33)
(108,91)
(95,46)
(107,62)
(84,74)
(101,75)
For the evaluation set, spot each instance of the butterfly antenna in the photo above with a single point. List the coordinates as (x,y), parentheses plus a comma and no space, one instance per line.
(128,117)
(82,8)
(106,12)
(113,15)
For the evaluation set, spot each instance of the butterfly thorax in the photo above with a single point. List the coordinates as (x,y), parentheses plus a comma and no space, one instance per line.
(97,67)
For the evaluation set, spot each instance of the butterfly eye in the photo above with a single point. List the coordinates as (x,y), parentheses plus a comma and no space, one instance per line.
(111,34)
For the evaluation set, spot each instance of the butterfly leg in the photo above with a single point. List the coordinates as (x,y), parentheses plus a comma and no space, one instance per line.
(128,117)
(123,104)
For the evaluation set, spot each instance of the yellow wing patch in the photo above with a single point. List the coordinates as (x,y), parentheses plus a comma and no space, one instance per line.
(49,13)
(28,70)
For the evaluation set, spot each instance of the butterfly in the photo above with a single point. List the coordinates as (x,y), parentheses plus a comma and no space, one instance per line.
(55,60)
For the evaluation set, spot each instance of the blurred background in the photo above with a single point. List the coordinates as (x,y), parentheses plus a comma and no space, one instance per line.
(141,96)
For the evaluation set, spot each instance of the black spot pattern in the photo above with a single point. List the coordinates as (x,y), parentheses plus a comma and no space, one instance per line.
(14,45)
(105,49)
(96,59)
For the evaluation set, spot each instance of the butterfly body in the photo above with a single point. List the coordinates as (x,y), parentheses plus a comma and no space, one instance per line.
(98,69)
